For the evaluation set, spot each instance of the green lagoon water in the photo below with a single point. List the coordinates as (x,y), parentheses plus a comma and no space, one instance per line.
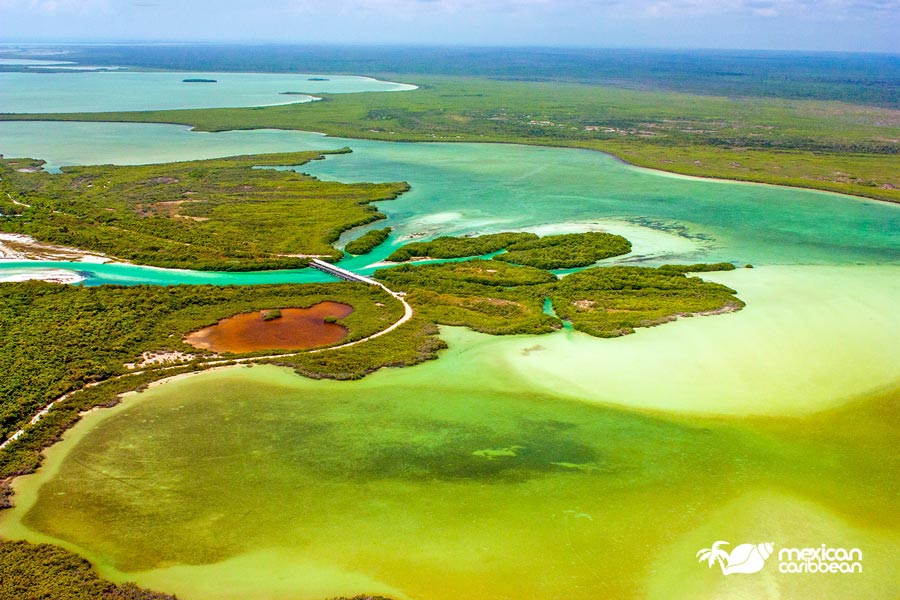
(256,483)
(513,467)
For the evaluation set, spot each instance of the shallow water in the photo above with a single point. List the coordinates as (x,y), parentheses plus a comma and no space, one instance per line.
(810,338)
(477,487)
(101,91)
(512,467)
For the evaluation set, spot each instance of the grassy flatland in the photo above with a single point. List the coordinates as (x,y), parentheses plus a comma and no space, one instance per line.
(484,295)
(819,144)
(221,214)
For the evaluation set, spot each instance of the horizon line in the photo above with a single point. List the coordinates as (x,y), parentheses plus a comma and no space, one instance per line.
(400,45)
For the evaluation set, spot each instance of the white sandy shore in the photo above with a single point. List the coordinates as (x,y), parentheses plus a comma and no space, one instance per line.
(51,275)
(15,246)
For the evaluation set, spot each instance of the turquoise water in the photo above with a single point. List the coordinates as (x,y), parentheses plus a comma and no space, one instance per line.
(482,188)
(100,91)
(121,274)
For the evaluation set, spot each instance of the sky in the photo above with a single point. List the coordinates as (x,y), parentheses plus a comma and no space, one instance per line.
(840,25)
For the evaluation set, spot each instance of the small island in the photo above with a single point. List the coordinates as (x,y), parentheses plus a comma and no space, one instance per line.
(199,80)
(368,241)
(318,79)
(566,251)
(271,315)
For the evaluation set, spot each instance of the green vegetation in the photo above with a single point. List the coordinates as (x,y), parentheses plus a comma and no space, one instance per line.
(459,275)
(221,214)
(459,247)
(497,298)
(818,144)
(612,301)
(699,268)
(271,315)
(410,344)
(56,339)
(368,241)
(45,572)
(484,295)
(566,251)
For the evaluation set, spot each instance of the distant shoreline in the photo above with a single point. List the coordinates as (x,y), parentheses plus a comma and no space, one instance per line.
(65,117)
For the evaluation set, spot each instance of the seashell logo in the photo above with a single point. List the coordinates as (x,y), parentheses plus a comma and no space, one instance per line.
(745,558)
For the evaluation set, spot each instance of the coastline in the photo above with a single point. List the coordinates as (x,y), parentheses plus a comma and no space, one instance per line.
(360,135)
(15,247)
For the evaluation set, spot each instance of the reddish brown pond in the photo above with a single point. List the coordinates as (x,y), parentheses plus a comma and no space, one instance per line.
(297,328)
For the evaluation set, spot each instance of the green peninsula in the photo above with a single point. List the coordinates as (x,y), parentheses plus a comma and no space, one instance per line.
(222,214)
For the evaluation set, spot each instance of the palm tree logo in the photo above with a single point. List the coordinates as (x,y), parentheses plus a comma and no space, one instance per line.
(743,558)
(714,554)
